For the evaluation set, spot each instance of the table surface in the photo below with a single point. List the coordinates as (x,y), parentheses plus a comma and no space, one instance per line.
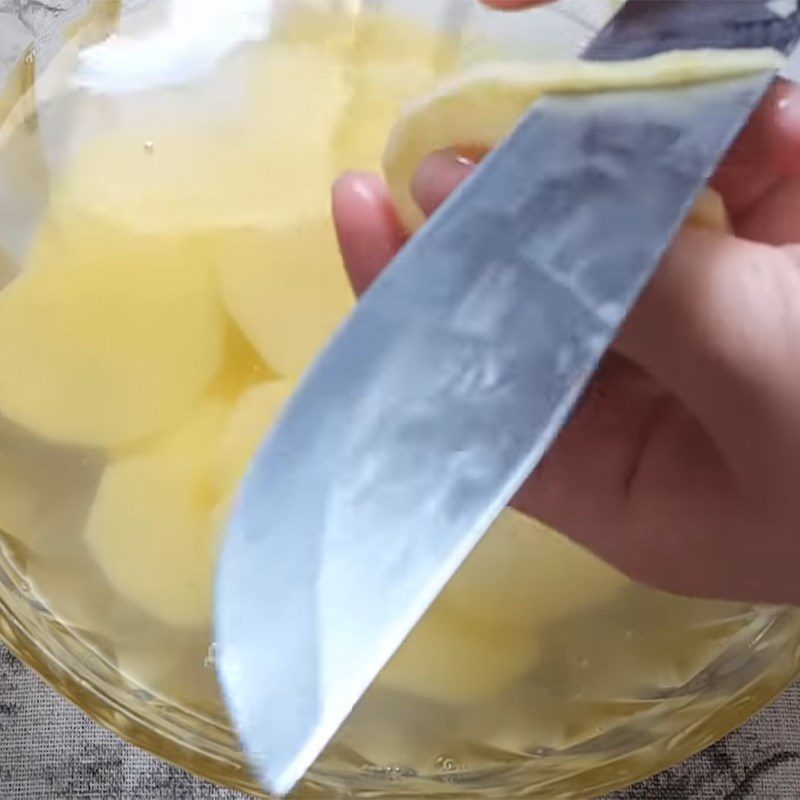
(51,751)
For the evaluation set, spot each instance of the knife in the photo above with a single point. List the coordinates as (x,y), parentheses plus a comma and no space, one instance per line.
(455,373)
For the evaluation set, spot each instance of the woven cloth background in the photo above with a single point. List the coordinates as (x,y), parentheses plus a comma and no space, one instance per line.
(51,751)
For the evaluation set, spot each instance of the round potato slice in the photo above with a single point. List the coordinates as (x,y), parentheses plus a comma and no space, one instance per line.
(251,418)
(287,291)
(109,339)
(522,576)
(265,162)
(152,527)
(451,659)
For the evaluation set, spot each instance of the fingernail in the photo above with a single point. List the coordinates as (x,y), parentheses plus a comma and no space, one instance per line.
(363,184)
(438,175)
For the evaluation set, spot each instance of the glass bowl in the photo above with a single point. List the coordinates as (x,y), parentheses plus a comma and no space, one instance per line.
(185,99)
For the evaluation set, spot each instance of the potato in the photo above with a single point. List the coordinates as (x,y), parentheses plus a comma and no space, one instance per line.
(109,339)
(151,528)
(287,290)
(248,424)
(266,161)
(523,576)
(451,659)
(482,106)
(486,628)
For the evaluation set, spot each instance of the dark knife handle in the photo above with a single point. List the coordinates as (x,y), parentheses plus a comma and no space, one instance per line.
(646,27)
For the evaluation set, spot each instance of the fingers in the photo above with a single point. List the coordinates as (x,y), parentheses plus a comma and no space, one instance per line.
(775,217)
(767,151)
(578,491)
(437,177)
(718,327)
(369,232)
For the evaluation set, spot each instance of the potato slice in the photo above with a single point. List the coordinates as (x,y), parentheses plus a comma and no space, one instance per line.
(493,614)
(523,576)
(287,291)
(481,107)
(110,339)
(151,527)
(252,417)
(451,659)
(266,162)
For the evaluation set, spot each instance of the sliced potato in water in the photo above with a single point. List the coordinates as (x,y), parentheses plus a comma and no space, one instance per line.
(452,659)
(110,340)
(287,290)
(522,575)
(267,163)
(152,529)
(252,417)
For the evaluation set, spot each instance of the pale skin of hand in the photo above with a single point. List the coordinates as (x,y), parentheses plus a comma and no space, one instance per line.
(681,465)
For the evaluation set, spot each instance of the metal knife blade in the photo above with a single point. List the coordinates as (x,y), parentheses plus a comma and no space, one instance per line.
(453,376)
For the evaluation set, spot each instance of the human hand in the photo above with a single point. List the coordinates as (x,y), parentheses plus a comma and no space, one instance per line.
(681,466)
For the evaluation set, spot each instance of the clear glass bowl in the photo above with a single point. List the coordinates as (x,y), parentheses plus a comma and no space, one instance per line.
(689,672)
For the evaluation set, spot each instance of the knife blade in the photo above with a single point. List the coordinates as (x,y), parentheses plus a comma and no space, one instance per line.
(455,373)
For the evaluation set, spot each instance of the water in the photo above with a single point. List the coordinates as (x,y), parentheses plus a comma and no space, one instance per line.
(170,270)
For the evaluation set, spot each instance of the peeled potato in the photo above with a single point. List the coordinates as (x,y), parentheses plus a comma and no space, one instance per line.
(287,291)
(486,628)
(452,659)
(522,576)
(251,418)
(269,164)
(151,528)
(111,340)
(482,107)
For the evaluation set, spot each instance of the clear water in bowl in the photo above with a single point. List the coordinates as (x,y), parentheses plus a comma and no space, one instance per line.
(169,270)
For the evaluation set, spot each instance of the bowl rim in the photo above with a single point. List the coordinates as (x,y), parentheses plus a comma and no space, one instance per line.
(111,715)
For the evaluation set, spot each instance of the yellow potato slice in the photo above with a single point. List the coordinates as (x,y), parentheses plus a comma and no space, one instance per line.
(251,418)
(109,337)
(287,291)
(454,660)
(486,629)
(522,576)
(480,108)
(151,527)
(266,163)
